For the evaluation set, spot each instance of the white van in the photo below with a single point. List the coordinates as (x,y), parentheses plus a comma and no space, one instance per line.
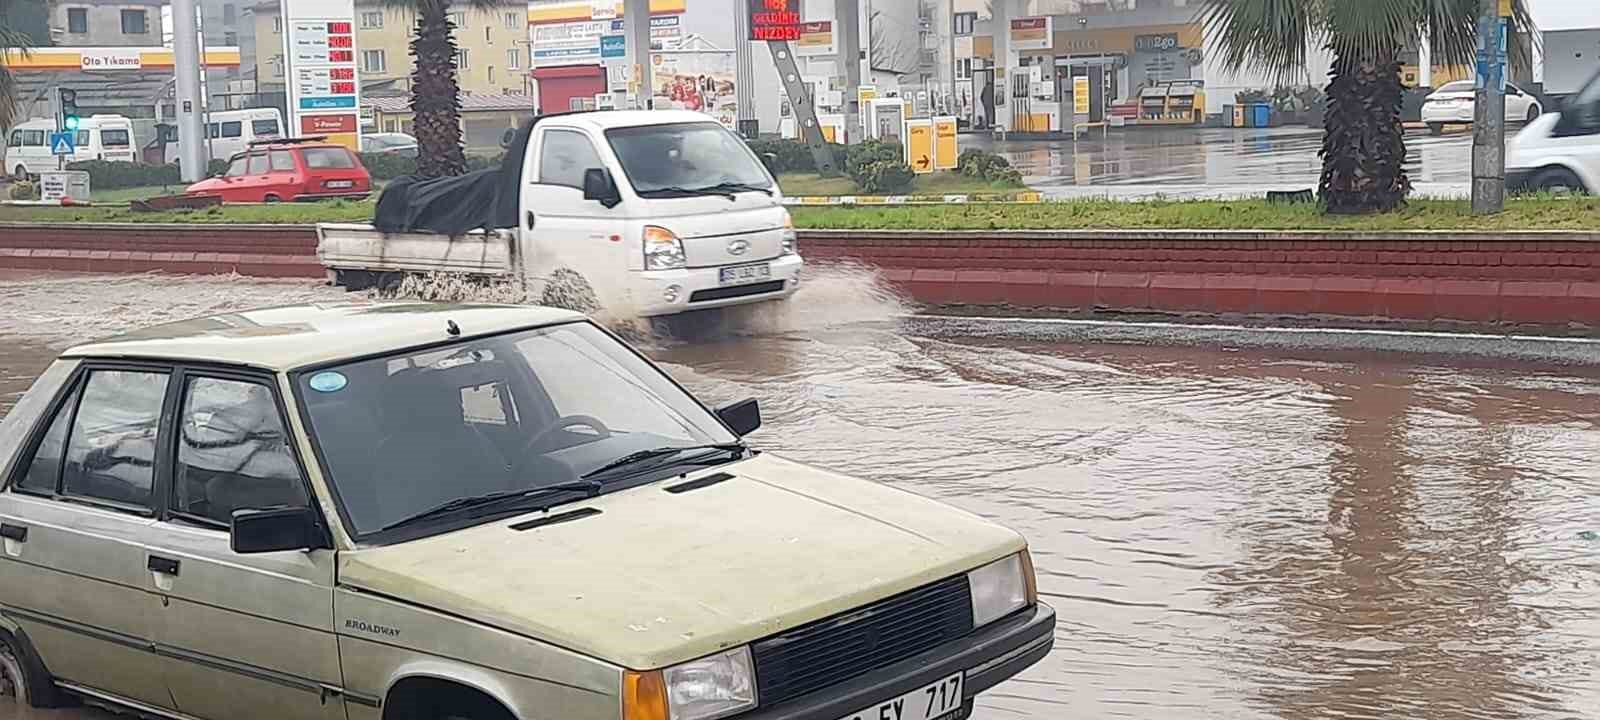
(230,132)
(660,212)
(1560,152)
(99,137)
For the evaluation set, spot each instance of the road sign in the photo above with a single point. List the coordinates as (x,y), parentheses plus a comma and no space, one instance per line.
(61,143)
(919,145)
(945,153)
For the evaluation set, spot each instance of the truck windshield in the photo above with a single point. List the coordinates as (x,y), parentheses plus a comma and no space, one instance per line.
(685,155)
(410,432)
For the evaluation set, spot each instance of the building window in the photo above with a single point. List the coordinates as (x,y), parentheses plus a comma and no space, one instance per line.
(512,21)
(458,19)
(133,22)
(277,25)
(230,39)
(372,20)
(277,65)
(230,14)
(491,74)
(77,20)
(461,59)
(488,35)
(514,59)
(965,22)
(373,61)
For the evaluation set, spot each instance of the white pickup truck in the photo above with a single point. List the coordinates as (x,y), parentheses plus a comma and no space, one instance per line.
(646,212)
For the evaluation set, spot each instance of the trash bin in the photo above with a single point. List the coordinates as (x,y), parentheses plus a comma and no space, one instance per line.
(1260,115)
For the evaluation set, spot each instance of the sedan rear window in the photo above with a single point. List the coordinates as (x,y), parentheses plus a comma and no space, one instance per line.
(1457,86)
(320,158)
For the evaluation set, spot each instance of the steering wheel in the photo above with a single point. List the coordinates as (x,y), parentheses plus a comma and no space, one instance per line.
(564,422)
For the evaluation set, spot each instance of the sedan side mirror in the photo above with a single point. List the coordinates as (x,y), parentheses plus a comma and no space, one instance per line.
(275,530)
(743,417)
(598,186)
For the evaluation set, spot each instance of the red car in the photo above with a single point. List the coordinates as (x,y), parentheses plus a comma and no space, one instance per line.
(287,171)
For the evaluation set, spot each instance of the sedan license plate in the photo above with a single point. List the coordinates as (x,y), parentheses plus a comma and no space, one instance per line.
(939,701)
(341,183)
(740,274)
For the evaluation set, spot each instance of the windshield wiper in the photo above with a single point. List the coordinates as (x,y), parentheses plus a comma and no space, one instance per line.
(674,190)
(591,487)
(635,458)
(738,187)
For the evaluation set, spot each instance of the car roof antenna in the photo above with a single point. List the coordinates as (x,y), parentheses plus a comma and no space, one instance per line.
(452,328)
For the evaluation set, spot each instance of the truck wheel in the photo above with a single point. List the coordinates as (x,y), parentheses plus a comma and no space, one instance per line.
(1435,128)
(24,683)
(568,290)
(1558,181)
(21,172)
(1533,113)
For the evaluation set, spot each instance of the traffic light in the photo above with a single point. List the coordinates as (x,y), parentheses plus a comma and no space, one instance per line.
(69,108)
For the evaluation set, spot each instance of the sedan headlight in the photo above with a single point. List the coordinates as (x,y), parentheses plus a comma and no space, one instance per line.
(662,249)
(1001,588)
(791,242)
(712,687)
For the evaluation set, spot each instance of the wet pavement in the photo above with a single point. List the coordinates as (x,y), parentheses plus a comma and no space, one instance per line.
(1227,530)
(1213,162)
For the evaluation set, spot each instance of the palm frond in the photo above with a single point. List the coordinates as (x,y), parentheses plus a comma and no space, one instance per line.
(1267,36)
(1372,30)
(446,5)
(18,42)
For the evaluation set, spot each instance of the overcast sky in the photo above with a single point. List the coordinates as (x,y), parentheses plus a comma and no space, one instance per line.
(1564,14)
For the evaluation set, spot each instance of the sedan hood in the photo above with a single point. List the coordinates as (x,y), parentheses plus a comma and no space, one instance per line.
(656,578)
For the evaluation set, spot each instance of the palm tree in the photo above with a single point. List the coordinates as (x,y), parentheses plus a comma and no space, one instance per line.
(435,93)
(1363,146)
(12,40)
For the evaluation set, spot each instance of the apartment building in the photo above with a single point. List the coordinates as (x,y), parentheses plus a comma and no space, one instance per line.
(101,23)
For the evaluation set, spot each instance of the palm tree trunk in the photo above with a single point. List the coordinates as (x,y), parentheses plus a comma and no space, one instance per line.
(435,94)
(1363,144)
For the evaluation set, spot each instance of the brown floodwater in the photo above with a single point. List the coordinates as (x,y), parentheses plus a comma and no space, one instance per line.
(1224,534)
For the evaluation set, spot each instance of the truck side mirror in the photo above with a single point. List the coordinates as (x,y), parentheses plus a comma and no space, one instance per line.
(743,417)
(275,530)
(598,186)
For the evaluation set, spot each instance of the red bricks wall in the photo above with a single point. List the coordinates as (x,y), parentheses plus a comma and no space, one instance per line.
(1547,278)
(258,250)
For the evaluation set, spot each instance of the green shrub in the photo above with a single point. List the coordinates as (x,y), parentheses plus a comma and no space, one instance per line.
(791,156)
(105,175)
(388,166)
(988,166)
(879,168)
(216,167)
(24,190)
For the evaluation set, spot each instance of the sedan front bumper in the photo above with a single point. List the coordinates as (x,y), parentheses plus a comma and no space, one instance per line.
(992,654)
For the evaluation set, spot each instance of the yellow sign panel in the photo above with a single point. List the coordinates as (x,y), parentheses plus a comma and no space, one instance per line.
(944,143)
(1505,8)
(866,94)
(919,145)
(1080,96)
(830,133)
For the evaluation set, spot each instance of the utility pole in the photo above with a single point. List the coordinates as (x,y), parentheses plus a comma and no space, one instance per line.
(186,57)
(636,21)
(847,29)
(1489,110)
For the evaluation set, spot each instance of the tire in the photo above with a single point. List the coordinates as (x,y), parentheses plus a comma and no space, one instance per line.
(1533,113)
(1435,128)
(21,172)
(1558,180)
(24,683)
(272,199)
(568,290)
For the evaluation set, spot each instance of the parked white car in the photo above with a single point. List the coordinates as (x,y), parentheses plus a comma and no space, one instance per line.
(98,137)
(1453,104)
(358,511)
(1560,152)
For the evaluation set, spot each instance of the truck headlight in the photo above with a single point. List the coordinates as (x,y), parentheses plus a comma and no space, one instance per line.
(662,249)
(791,242)
(712,687)
(1001,588)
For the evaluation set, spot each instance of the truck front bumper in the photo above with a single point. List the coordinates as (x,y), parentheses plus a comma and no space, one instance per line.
(987,657)
(666,292)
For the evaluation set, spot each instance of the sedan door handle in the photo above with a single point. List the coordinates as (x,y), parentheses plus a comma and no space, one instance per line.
(14,532)
(165,566)
(530,219)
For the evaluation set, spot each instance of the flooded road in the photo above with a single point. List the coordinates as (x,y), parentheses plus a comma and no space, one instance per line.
(1212,162)
(1224,533)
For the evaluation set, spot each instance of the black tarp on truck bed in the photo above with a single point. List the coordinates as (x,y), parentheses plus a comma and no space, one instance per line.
(486,199)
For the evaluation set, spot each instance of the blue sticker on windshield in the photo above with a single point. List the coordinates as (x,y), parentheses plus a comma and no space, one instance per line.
(328,382)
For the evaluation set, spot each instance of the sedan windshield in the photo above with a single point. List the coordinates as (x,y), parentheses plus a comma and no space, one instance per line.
(690,156)
(418,431)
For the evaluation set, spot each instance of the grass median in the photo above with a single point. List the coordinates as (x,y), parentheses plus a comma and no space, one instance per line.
(1528,213)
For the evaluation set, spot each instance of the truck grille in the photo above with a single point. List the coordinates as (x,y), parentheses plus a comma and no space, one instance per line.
(836,649)
(724,293)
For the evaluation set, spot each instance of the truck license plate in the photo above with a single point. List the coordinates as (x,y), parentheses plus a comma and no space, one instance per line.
(740,274)
(939,701)
(341,183)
